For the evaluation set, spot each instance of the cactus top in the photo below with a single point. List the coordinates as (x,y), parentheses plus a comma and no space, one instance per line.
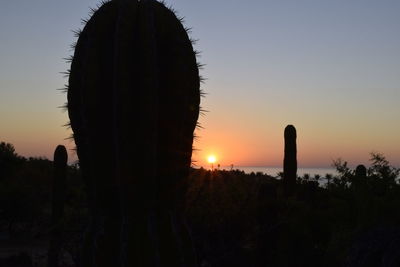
(290,131)
(61,155)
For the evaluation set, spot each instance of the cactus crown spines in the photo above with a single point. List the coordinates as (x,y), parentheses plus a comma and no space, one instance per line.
(60,155)
(77,33)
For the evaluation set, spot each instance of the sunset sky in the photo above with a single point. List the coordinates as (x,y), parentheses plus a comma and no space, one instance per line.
(330,68)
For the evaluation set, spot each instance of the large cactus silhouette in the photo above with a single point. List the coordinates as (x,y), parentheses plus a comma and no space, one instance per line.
(290,160)
(133,102)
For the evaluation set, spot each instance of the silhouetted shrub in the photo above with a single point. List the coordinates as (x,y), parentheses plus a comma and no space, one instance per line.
(238,219)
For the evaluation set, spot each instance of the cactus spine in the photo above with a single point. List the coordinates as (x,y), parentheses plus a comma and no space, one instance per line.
(133,103)
(290,160)
(59,180)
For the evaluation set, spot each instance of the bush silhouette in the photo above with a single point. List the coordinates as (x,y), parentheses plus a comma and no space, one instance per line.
(240,219)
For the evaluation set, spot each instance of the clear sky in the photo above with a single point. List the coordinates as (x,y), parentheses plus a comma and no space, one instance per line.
(331,68)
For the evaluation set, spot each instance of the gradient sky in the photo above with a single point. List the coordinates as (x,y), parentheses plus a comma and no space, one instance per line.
(331,68)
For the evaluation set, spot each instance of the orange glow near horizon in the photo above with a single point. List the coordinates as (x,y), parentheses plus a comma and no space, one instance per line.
(245,146)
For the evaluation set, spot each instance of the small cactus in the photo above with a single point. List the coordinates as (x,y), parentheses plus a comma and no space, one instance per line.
(360,176)
(290,160)
(361,171)
(58,197)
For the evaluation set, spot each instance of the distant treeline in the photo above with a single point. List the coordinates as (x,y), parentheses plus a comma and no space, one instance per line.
(236,219)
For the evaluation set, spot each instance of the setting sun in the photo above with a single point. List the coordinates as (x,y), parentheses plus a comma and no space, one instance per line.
(211,159)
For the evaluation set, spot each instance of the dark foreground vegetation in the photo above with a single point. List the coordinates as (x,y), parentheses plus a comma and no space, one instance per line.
(236,219)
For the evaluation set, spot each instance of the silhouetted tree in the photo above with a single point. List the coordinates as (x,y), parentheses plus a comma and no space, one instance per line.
(9,159)
(381,169)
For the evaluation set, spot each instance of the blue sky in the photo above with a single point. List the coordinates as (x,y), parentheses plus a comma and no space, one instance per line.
(331,68)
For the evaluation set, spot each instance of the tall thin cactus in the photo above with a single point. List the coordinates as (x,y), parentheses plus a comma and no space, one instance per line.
(133,102)
(58,198)
(290,160)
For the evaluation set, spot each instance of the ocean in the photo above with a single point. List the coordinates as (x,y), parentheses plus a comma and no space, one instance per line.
(273,171)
